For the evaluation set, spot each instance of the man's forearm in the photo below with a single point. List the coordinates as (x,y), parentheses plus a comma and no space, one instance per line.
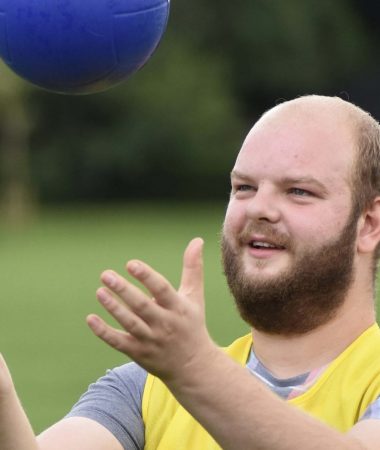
(242,414)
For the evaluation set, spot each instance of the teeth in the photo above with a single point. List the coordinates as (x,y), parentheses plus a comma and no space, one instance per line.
(258,244)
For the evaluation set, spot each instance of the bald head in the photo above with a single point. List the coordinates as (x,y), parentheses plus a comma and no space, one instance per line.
(310,104)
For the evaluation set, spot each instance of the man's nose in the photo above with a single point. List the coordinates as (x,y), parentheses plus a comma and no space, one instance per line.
(264,206)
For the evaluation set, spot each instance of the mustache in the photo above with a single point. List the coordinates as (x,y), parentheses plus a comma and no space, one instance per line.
(272,234)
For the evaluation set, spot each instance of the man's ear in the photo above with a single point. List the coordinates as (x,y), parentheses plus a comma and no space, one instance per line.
(369,228)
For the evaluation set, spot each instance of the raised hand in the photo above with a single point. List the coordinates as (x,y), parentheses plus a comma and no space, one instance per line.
(165,333)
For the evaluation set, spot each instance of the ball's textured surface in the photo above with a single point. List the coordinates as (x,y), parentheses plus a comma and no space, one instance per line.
(79,46)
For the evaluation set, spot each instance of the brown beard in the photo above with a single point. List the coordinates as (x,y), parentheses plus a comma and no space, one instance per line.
(304,297)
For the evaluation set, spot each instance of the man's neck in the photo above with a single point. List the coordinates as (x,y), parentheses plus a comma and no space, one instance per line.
(286,356)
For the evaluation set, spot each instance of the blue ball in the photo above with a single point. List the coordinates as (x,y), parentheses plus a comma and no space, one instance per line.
(79,46)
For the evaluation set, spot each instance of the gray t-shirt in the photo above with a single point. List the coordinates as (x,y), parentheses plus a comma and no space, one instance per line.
(115,400)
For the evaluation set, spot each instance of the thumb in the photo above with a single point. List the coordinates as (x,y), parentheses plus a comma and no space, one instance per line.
(192,272)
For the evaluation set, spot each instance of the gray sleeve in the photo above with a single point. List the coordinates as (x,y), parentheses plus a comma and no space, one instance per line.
(373,411)
(114,401)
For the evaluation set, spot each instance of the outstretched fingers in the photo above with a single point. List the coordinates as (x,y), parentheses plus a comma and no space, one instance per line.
(163,328)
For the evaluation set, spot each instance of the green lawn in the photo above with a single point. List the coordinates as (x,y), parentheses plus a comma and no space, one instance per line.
(50,272)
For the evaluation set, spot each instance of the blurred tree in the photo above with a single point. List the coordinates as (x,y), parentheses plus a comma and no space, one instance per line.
(174,122)
(17,199)
(282,48)
(364,88)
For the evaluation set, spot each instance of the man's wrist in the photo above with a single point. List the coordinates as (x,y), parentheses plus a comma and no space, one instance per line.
(200,370)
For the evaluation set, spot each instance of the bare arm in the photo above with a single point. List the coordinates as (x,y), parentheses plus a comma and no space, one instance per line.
(77,433)
(169,338)
(16,432)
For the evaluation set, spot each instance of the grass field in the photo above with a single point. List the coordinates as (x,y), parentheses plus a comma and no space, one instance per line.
(50,272)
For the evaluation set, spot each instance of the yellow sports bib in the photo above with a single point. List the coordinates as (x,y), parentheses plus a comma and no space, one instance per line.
(338,398)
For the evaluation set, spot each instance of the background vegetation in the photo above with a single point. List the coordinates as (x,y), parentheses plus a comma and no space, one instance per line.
(88,181)
(184,115)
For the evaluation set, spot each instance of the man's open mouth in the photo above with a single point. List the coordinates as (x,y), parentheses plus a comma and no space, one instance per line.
(262,245)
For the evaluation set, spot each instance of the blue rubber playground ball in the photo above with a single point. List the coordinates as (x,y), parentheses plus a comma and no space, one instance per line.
(79,46)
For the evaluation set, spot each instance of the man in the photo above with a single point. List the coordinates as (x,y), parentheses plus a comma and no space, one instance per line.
(300,247)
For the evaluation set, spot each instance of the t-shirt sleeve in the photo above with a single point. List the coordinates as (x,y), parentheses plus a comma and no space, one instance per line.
(373,410)
(114,401)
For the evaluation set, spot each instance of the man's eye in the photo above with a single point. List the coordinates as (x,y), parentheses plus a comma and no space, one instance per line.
(243,187)
(300,192)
